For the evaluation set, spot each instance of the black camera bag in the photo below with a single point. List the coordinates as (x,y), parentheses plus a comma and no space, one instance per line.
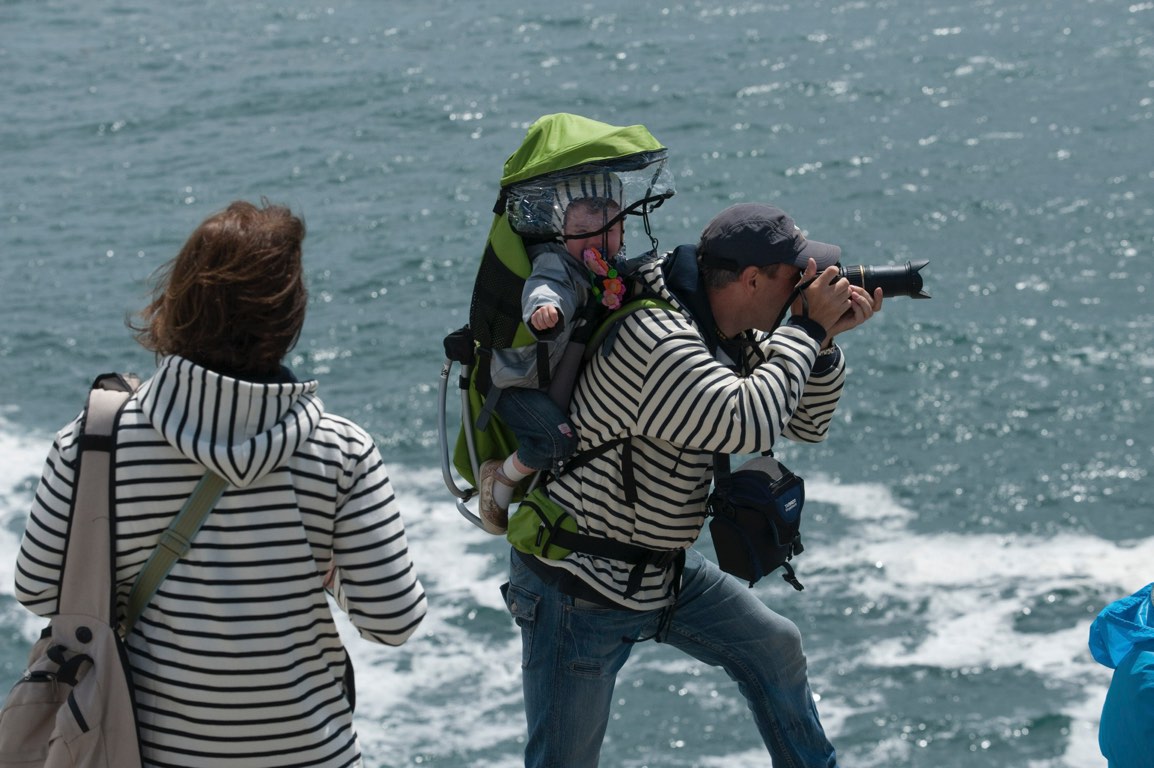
(756,521)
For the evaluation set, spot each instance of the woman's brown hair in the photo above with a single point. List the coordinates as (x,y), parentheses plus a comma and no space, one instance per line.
(233,300)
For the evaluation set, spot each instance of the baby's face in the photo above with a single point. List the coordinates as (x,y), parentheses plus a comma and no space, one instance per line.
(580,219)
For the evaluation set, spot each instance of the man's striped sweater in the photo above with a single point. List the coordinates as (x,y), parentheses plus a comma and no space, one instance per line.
(656,383)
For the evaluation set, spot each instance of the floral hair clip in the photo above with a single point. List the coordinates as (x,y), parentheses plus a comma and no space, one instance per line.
(607,286)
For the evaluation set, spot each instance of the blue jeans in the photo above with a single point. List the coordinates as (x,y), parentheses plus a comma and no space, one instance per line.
(572,651)
(544,436)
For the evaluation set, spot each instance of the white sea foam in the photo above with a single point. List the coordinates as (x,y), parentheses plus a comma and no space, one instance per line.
(465,654)
(972,588)
(454,689)
(23,456)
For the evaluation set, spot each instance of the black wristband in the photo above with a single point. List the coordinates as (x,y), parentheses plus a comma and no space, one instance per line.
(813,329)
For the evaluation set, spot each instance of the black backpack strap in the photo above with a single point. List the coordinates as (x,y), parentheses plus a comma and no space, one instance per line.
(721,471)
(544,375)
(637,556)
(487,409)
(484,380)
(587,320)
(628,477)
(633,554)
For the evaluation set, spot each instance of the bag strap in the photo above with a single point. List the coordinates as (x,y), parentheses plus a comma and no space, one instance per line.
(86,574)
(174,544)
(723,474)
(721,470)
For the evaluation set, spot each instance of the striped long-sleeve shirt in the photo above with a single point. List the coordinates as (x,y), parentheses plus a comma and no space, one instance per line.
(659,385)
(236,660)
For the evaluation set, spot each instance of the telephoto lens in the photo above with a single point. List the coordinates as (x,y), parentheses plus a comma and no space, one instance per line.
(893,279)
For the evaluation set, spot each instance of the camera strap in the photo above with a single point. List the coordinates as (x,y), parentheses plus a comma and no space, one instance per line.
(798,291)
(721,469)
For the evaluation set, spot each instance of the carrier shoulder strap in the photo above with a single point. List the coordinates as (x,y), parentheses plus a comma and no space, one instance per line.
(604,334)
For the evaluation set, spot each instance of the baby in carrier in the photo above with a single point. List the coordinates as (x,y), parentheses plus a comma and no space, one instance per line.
(564,275)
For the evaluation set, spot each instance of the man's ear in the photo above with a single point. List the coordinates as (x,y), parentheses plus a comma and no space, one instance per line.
(750,275)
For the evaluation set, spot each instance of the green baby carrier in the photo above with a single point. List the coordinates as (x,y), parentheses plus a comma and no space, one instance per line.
(564,157)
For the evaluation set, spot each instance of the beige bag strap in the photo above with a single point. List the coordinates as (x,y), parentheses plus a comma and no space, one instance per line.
(86,576)
(174,544)
(89,566)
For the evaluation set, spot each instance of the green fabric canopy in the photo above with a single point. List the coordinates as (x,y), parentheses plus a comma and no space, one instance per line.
(560,141)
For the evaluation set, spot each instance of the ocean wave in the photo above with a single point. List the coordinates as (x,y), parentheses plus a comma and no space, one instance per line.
(887,610)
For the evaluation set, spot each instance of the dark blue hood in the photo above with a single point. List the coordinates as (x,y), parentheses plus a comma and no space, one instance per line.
(683,280)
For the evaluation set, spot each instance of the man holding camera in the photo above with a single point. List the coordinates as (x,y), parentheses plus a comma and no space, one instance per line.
(665,392)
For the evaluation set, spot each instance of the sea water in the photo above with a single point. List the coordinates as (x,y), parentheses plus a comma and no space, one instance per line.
(986,487)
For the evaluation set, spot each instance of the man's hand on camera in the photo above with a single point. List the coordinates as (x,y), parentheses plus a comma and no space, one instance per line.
(833,302)
(862,308)
(825,298)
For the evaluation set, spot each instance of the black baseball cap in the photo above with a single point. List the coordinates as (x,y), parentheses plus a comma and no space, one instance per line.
(756,234)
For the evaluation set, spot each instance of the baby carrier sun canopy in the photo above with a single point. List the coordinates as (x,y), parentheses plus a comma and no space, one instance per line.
(566,157)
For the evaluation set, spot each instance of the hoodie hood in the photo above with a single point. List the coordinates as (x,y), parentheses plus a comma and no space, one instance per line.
(1122,626)
(241,430)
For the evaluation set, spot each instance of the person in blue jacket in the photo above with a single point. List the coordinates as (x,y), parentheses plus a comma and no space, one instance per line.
(1122,638)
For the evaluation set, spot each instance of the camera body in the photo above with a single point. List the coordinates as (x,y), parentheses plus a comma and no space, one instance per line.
(894,280)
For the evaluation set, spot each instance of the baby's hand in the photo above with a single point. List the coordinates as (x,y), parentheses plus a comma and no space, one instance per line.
(544,317)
